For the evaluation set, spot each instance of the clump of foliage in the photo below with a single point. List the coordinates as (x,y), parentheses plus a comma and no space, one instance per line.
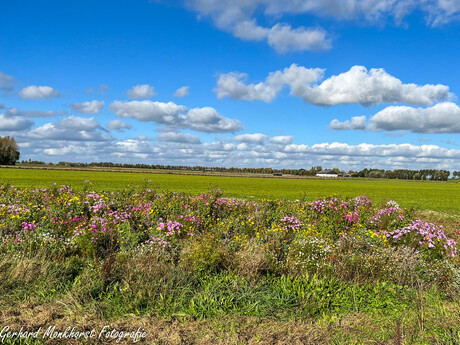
(9,151)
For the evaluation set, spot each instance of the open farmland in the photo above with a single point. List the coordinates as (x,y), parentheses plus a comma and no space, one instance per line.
(423,195)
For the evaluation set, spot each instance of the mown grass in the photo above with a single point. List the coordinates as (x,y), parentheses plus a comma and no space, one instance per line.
(423,195)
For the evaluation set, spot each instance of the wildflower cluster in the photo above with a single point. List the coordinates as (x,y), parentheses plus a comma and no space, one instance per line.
(425,236)
(208,230)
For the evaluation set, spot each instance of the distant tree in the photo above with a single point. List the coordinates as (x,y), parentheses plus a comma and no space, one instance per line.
(364,173)
(375,174)
(9,151)
(390,174)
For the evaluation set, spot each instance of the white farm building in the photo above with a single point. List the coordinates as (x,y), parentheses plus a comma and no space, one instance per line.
(327,173)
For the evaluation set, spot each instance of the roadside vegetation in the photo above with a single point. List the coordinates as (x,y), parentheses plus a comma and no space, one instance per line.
(206,269)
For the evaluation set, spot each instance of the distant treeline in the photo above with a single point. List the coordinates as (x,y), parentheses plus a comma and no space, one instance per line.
(402,174)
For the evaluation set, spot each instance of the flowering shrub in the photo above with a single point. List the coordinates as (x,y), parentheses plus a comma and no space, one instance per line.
(426,237)
(391,216)
(290,223)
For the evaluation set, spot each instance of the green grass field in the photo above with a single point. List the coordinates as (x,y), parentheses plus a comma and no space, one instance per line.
(423,195)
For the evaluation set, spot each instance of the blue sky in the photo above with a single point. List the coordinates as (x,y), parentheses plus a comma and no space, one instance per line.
(347,84)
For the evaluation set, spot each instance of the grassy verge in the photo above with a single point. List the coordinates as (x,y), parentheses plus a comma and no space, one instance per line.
(206,269)
(222,308)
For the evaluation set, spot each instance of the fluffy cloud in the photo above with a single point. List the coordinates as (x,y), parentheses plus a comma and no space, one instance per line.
(38,92)
(284,39)
(440,118)
(360,86)
(72,128)
(356,86)
(118,125)
(182,91)
(256,138)
(298,78)
(169,114)
(92,107)
(159,112)
(141,91)
(236,18)
(207,119)
(282,139)
(357,122)
(231,85)
(178,137)
(10,122)
(78,123)
(7,82)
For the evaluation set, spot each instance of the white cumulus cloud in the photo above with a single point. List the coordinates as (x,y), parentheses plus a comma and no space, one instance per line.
(360,86)
(178,137)
(159,112)
(72,128)
(357,122)
(236,18)
(208,119)
(283,38)
(10,122)
(182,91)
(282,139)
(297,77)
(440,118)
(141,91)
(38,92)
(91,107)
(356,86)
(118,125)
(205,119)
(255,138)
